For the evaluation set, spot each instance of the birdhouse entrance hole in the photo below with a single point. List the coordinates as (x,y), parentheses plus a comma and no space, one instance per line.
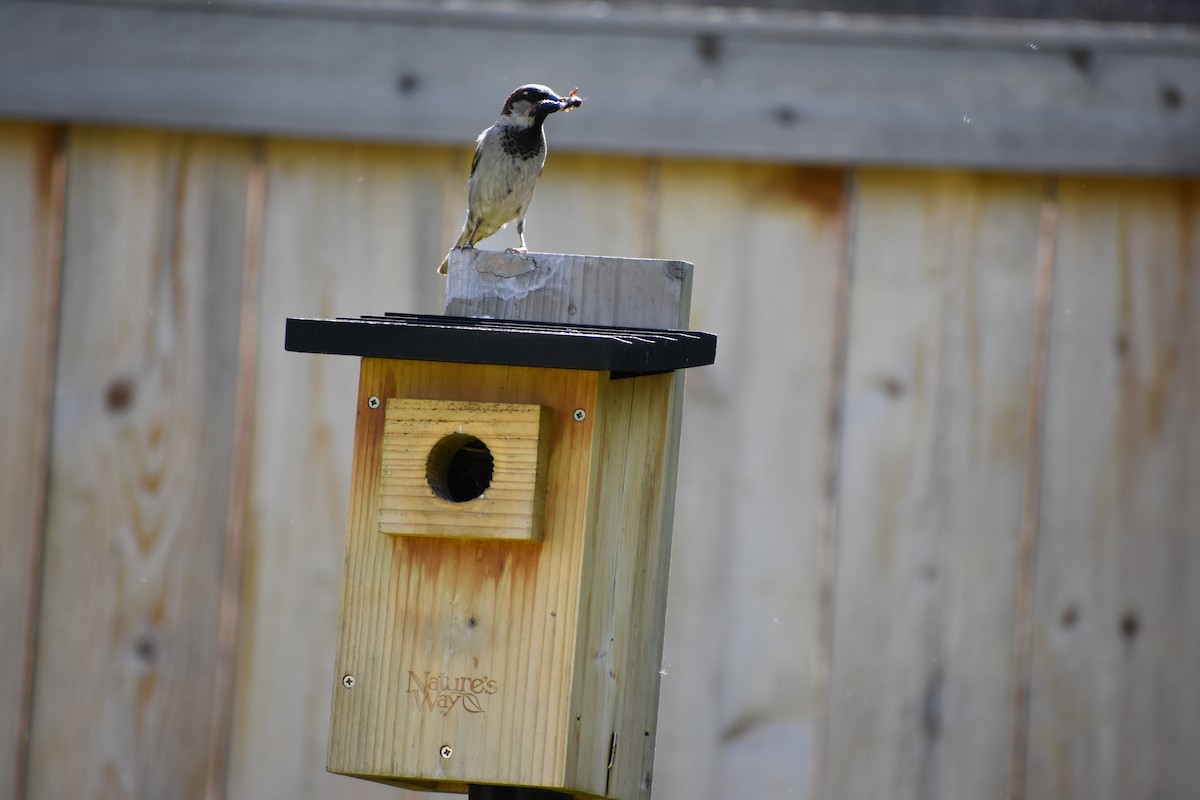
(437,477)
(459,468)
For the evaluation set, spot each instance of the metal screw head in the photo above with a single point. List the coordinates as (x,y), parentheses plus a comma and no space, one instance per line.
(372,402)
(580,415)
(446,752)
(348,681)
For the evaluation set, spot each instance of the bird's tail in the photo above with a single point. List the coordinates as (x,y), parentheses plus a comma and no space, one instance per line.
(464,239)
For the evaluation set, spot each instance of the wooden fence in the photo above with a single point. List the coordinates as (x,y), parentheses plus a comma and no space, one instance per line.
(937,535)
(938,522)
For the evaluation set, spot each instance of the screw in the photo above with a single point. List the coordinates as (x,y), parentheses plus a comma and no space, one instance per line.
(580,415)
(372,402)
(446,751)
(348,681)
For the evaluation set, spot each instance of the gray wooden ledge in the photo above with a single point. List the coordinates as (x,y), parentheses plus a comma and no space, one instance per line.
(818,88)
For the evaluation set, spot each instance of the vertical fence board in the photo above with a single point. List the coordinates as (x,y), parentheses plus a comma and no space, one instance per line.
(740,706)
(31,199)
(1114,711)
(942,315)
(140,452)
(349,229)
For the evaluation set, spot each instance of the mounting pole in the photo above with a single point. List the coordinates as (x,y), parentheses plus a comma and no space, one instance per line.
(514,793)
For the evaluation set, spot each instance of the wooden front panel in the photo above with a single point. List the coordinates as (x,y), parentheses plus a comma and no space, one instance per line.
(455,656)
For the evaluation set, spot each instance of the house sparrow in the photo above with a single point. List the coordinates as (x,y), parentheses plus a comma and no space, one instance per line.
(508,160)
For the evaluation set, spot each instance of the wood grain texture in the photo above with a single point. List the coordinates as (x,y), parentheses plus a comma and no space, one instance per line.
(930,492)
(618,657)
(239,478)
(943,288)
(826,88)
(1031,492)
(523,658)
(421,440)
(1114,711)
(140,456)
(350,229)
(504,613)
(740,692)
(586,290)
(32,185)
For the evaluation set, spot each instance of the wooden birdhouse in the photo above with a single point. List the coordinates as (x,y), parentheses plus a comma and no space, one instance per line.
(505,574)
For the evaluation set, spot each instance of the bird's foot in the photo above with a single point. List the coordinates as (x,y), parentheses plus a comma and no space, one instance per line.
(517,250)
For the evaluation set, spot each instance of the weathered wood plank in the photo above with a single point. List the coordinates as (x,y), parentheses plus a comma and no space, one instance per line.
(1114,711)
(140,455)
(32,185)
(930,489)
(350,229)
(741,686)
(525,618)
(999,94)
(625,583)
(574,289)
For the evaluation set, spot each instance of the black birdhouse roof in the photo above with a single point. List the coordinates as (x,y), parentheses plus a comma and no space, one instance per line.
(464,340)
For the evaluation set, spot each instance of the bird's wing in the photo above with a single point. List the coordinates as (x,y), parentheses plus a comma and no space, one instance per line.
(478,148)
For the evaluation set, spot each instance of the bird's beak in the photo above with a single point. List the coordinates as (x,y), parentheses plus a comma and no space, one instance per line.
(550,105)
(572,100)
(556,103)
